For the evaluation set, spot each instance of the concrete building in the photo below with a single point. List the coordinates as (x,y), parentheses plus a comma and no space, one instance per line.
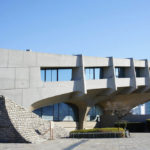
(139,110)
(136,110)
(147,108)
(73,90)
(143,109)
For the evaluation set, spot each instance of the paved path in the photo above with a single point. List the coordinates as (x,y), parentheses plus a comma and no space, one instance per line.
(138,141)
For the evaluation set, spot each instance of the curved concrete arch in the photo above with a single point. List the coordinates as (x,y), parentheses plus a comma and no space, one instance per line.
(51,100)
(125,101)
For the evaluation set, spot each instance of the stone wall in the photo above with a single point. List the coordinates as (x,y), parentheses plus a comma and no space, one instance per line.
(19,125)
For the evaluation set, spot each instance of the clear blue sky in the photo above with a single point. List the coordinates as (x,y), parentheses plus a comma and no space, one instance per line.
(119,28)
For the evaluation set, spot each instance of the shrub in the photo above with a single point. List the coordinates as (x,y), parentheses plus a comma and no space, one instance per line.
(132,126)
(148,124)
(98,133)
(99,130)
(148,120)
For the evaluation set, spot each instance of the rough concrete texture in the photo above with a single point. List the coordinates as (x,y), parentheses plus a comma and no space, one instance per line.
(19,125)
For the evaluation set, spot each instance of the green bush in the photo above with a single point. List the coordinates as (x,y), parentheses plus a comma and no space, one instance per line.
(148,124)
(147,120)
(99,130)
(98,133)
(132,126)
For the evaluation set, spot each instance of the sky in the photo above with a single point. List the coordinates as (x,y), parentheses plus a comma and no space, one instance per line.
(103,28)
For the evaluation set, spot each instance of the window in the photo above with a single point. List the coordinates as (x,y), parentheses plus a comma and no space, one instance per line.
(58,112)
(56,74)
(139,72)
(64,74)
(94,113)
(48,75)
(97,73)
(87,72)
(120,72)
(94,73)
(43,75)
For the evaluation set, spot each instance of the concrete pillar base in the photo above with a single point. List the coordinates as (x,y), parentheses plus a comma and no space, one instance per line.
(83,110)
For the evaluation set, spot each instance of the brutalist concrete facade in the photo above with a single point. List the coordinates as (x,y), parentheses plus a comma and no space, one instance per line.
(20,81)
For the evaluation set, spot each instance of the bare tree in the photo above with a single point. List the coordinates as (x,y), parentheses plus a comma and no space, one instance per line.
(117,109)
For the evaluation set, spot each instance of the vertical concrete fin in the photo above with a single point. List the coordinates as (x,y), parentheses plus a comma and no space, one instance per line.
(83,75)
(147,75)
(112,72)
(132,75)
(79,74)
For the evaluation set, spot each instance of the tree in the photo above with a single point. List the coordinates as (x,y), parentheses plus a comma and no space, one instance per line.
(117,109)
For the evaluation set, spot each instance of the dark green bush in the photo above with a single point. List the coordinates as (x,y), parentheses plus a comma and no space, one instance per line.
(99,130)
(132,126)
(148,120)
(98,133)
(148,124)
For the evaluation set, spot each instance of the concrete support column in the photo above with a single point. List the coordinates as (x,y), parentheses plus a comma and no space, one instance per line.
(132,75)
(147,75)
(78,74)
(83,75)
(109,73)
(113,73)
(83,111)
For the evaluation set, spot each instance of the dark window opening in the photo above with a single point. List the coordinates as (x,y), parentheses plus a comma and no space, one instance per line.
(120,72)
(139,72)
